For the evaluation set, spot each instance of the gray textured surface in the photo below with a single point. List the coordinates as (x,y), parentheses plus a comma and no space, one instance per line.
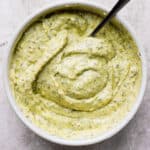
(15,136)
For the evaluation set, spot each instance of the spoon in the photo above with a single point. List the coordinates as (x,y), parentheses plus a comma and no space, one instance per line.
(120,4)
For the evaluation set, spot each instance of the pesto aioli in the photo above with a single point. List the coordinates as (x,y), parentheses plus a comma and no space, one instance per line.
(72,85)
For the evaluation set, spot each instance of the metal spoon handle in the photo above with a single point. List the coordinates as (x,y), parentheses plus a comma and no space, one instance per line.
(120,4)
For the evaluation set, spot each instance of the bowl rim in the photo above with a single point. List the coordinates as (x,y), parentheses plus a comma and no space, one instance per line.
(39,131)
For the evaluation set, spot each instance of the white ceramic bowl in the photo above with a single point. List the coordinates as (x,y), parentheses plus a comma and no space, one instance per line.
(82,4)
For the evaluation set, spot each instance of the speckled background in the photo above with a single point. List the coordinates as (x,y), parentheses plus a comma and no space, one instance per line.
(14,135)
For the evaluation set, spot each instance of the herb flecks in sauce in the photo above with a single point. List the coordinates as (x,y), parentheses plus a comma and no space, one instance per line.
(71,85)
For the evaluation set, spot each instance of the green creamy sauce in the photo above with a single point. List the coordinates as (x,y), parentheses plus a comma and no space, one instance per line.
(72,85)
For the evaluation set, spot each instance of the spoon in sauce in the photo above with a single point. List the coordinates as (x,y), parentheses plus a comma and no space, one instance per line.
(120,4)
